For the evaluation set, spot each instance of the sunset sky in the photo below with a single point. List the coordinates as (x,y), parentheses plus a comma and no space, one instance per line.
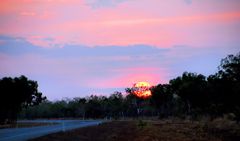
(76,48)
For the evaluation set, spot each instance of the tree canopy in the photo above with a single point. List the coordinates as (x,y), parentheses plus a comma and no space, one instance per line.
(17,93)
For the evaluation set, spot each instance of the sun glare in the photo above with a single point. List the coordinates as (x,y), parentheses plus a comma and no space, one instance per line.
(142,89)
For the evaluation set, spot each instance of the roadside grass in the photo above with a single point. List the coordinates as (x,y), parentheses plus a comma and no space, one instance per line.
(25,124)
(152,130)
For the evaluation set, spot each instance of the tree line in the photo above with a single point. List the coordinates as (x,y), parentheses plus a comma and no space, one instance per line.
(189,95)
(17,93)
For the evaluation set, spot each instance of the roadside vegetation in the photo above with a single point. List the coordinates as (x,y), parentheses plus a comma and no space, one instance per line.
(25,124)
(190,96)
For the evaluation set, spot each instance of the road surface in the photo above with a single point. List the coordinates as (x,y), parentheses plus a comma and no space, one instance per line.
(23,134)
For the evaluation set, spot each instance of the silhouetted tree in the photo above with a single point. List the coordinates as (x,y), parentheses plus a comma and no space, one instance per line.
(188,95)
(17,93)
(115,105)
(131,105)
(94,109)
(224,87)
(161,99)
(138,106)
(230,68)
(191,88)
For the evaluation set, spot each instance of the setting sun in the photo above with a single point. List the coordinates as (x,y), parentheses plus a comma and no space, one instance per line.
(141,89)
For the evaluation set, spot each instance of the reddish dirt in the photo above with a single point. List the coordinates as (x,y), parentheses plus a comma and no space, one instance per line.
(146,131)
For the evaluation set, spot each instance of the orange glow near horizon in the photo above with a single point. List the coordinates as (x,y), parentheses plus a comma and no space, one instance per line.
(142,90)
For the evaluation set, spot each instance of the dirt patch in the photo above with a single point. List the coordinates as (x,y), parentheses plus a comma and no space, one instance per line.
(146,131)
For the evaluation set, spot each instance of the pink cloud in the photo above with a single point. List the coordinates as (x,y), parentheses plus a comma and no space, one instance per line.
(158,23)
(25,13)
(153,22)
(156,31)
(126,77)
(128,80)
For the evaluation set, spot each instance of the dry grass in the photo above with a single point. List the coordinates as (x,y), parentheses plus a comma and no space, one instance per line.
(25,124)
(167,130)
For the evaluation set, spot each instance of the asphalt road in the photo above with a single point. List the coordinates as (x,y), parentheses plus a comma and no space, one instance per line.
(23,134)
